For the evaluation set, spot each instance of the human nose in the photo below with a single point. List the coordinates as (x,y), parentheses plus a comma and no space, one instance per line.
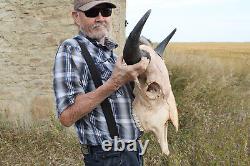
(99,17)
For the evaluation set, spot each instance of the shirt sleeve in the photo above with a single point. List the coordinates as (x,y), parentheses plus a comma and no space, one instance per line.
(69,80)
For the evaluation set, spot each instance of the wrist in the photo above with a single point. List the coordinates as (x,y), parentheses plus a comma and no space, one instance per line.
(112,84)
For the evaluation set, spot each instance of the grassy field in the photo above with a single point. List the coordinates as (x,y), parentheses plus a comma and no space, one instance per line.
(211,83)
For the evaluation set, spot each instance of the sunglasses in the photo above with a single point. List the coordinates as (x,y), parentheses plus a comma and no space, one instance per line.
(94,12)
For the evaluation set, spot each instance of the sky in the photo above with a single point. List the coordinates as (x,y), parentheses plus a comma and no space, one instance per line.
(195,20)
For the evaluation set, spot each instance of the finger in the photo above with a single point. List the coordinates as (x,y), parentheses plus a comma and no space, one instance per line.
(120,59)
(124,63)
(145,61)
(142,65)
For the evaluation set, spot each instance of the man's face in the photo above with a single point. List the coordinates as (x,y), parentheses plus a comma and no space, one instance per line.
(95,26)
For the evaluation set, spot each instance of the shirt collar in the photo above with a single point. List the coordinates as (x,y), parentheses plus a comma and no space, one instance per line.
(108,43)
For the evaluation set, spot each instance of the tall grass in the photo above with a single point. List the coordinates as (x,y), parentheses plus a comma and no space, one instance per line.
(45,143)
(211,85)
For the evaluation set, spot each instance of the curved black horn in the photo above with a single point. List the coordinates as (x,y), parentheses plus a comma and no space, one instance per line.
(161,47)
(131,51)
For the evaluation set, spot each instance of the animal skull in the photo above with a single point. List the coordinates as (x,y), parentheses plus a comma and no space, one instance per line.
(154,102)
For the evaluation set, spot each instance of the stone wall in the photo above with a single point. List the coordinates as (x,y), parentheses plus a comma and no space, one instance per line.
(30,32)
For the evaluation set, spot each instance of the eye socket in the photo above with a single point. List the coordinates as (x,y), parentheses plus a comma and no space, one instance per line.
(153,90)
(153,87)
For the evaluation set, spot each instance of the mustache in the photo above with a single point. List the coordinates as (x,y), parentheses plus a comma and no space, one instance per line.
(97,25)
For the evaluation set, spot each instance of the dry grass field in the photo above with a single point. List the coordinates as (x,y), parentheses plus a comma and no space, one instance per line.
(211,83)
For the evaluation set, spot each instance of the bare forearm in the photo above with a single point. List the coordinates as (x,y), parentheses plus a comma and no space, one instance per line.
(85,103)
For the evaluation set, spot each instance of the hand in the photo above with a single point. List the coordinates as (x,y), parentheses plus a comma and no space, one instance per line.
(124,73)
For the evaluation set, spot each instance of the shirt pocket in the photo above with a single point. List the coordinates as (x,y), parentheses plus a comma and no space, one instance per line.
(105,70)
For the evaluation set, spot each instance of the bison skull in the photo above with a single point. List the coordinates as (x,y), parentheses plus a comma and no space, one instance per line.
(154,102)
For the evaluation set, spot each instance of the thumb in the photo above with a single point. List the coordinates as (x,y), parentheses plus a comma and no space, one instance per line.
(119,59)
(142,65)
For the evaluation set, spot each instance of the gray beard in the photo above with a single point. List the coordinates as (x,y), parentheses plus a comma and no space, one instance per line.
(100,35)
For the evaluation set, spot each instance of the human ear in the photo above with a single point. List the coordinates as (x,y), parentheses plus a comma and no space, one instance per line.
(76,17)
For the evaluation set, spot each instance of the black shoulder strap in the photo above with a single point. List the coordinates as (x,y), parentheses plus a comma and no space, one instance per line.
(106,107)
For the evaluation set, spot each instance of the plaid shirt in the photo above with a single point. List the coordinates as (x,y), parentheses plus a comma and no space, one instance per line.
(72,76)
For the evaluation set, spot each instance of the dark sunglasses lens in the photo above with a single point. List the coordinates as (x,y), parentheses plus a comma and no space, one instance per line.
(94,12)
(106,12)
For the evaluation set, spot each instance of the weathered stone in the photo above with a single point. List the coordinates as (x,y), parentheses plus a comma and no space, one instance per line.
(30,32)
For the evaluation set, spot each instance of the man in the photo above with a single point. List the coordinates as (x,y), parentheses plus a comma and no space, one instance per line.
(77,99)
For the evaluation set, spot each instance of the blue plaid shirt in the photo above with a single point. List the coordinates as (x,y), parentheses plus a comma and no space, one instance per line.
(72,76)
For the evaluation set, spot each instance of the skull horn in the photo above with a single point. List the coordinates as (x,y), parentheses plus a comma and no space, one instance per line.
(161,47)
(131,51)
